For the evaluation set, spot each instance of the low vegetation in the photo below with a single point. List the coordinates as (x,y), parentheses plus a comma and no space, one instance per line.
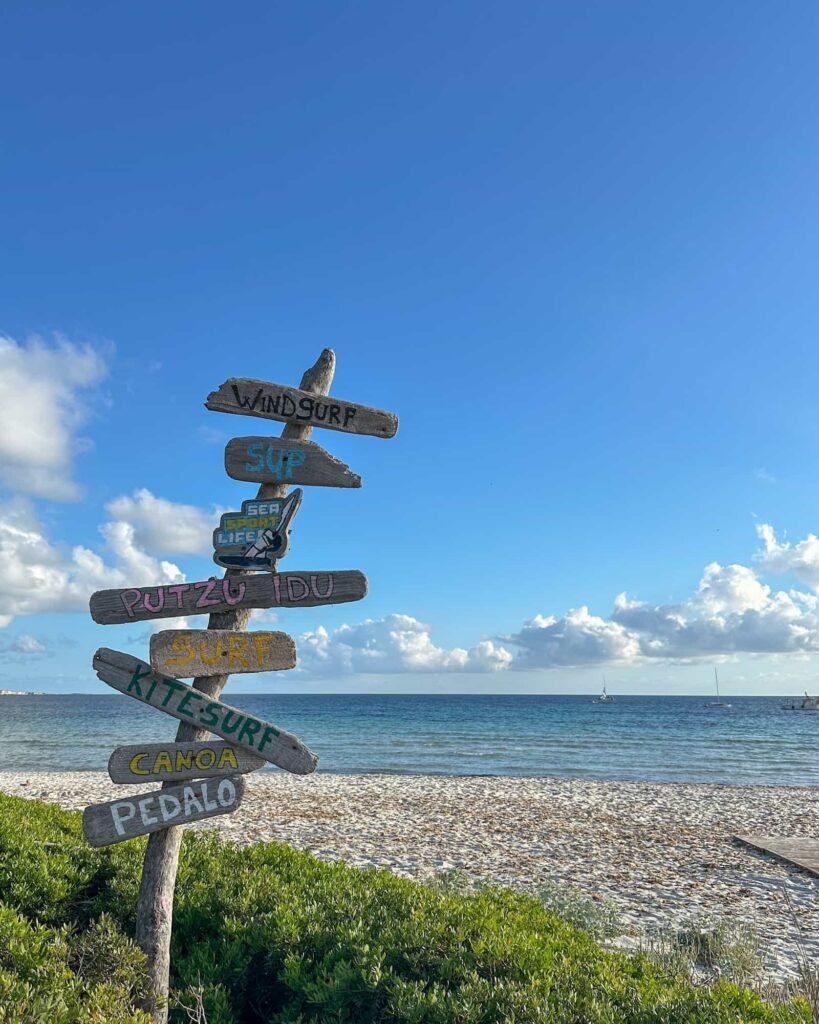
(268,934)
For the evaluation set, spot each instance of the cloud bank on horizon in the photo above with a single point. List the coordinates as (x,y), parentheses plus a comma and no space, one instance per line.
(732,611)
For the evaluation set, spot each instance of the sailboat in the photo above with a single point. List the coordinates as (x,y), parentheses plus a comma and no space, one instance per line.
(604,698)
(716,703)
(806,703)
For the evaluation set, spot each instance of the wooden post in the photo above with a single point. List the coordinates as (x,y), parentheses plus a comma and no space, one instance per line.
(155,906)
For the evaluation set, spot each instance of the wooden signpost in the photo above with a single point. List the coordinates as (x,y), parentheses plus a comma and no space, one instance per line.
(275,460)
(116,820)
(258,535)
(291,405)
(176,762)
(183,654)
(265,590)
(200,776)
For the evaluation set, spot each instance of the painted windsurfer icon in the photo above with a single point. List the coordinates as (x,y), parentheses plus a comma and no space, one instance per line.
(258,536)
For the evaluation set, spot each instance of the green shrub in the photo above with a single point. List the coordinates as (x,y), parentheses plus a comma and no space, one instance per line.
(270,934)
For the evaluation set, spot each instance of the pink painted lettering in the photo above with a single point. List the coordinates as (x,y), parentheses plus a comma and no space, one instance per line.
(314,586)
(228,593)
(179,589)
(291,580)
(160,600)
(204,601)
(130,602)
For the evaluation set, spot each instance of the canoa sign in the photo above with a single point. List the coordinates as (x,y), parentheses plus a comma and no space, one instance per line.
(177,762)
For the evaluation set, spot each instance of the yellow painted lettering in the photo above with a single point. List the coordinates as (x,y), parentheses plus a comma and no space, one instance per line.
(237,650)
(228,757)
(205,758)
(184,759)
(134,765)
(261,641)
(181,645)
(205,655)
(162,762)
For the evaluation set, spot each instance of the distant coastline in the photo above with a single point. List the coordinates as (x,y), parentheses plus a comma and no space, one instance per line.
(21,693)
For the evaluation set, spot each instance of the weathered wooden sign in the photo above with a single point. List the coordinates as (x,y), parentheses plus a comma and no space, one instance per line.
(177,762)
(183,653)
(291,405)
(117,820)
(135,679)
(257,536)
(275,460)
(266,590)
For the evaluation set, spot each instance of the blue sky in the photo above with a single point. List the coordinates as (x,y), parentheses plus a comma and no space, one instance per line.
(572,246)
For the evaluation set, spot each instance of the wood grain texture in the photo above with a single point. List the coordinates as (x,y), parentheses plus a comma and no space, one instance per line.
(135,679)
(154,916)
(118,820)
(178,762)
(264,590)
(247,397)
(184,653)
(274,460)
(802,852)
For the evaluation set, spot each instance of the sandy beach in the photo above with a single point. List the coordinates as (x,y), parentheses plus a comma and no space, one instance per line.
(661,853)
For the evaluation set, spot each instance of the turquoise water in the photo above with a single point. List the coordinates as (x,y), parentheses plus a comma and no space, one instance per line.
(660,738)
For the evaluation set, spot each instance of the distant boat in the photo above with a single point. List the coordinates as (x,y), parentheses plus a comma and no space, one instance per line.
(604,698)
(805,703)
(716,703)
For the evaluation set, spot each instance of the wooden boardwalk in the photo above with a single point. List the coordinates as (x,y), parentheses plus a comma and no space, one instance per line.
(803,853)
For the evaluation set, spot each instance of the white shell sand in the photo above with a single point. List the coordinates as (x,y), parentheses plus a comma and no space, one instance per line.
(662,853)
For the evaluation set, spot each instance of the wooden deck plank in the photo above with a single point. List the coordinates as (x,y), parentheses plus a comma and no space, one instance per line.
(799,851)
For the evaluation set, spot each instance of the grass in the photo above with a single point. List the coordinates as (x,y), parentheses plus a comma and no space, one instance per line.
(270,934)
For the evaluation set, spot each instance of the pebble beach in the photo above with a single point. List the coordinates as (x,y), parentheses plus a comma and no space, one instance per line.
(662,853)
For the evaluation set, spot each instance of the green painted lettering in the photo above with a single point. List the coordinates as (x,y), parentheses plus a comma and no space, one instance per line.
(182,705)
(269,734)
(172,687)
(249,729)
(212,713)
(136,679)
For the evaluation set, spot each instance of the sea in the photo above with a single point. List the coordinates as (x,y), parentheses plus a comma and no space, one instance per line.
(667,739)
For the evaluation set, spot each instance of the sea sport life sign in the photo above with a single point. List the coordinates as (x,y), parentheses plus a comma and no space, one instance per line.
(135,679)
(266,590)
(277,460)
(248,397)
(258,536)
(177,762)
(117,820)
(187,653)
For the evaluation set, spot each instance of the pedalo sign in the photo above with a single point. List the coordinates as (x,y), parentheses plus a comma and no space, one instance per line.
(201,777)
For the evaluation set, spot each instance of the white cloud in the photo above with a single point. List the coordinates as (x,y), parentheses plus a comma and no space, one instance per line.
(801,559)
(397,643)
(263,617)
(578,638)
(165,527)
(41,577)
(732,611)
(43,403)
(24,644)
